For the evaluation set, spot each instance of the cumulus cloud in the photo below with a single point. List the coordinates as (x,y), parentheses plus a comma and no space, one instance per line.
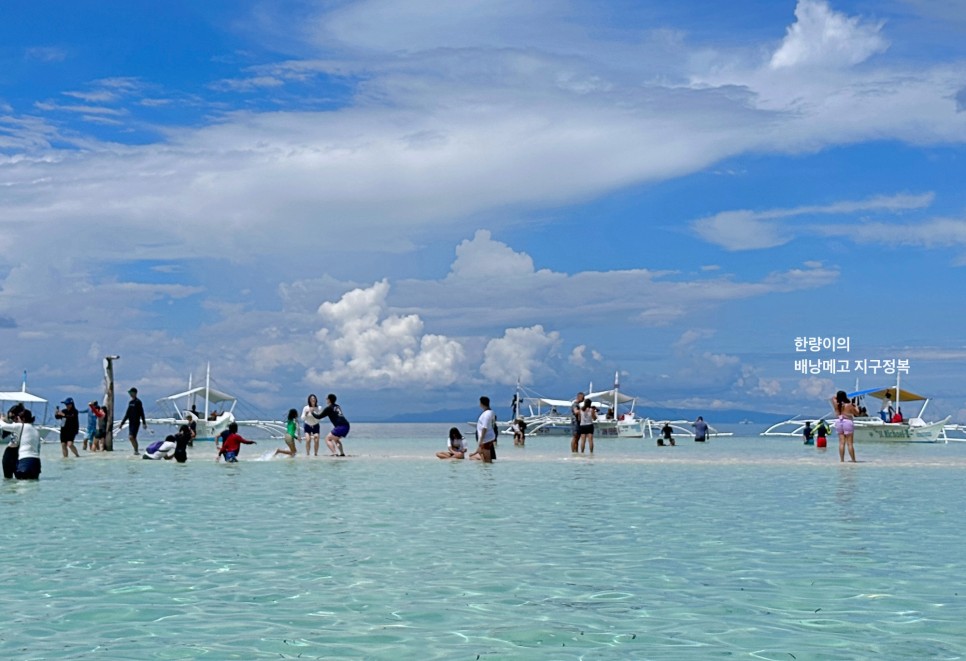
(643,297)
(482,257)
(823,37)
(518,355)
(815,388)
(577,355)
(365,345)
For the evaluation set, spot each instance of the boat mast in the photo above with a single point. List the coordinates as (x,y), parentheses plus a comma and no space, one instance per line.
(191,402)
(898,377)
(617,385)
(207,387)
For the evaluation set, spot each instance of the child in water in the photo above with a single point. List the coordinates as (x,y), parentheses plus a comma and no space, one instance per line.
(291,434)
(232,444)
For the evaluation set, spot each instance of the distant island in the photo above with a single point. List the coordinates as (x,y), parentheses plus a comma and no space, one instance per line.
(469,413)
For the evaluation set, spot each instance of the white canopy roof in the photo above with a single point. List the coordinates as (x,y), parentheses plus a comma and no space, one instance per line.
(213,396)
(21,396)
(607,396)
(601,397)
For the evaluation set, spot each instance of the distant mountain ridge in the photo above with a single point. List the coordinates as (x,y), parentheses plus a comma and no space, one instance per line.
(469,414)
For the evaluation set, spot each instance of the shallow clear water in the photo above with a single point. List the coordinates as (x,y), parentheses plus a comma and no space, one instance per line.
(743,548)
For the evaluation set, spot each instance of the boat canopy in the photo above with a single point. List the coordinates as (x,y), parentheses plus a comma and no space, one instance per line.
(603,398)
(889,393)
(607,396)
(563,403)
(212,395)
(21,396)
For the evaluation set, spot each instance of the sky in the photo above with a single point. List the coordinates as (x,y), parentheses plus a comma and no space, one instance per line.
(414,203)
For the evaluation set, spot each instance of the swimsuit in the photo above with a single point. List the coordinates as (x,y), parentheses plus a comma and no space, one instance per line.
(844,425)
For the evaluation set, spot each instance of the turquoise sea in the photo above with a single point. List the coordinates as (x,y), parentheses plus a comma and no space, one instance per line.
(748,548)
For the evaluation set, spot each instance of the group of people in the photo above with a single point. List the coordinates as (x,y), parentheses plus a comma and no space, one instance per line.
(817,436)
(487,432)
(21,457)
(230,441)
(174,446)
(583,417)
(846,410)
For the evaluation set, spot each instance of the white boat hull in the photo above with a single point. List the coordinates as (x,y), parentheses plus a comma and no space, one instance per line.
(871,431)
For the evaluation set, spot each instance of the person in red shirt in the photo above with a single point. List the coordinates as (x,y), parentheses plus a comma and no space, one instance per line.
(232,444)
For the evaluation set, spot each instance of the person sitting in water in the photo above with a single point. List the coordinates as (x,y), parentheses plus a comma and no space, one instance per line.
(161,449)
(232,444)
(455,446)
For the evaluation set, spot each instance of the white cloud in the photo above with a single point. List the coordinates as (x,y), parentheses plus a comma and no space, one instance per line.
(518,355)
(929,233)
(823,37)
(364,345)
(744,229)
(639,296)
(482,257)
(577,355)
(814,388)
(46,54)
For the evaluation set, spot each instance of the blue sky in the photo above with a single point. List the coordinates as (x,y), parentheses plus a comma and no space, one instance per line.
(415,203)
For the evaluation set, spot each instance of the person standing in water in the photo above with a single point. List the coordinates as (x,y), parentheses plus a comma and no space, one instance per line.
(70,428)
(700,430)
(575,421)
(12,428)
(588,414)
(340,426)
(134,416)
(845,425)
(485,431)
(821,431)
(28,447)
(311,422)
(807,433)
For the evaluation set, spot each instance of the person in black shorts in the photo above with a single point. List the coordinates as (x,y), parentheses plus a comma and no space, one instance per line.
(134,416)
(70,428)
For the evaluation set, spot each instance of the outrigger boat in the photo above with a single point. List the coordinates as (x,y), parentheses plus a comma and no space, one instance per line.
(210,421)
(871,428)
(32,402)
(616,417)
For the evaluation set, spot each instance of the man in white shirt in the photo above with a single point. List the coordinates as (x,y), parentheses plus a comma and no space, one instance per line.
(485,431)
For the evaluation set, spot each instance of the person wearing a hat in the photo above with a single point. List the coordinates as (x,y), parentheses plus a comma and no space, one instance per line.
(135,416)
(70,428)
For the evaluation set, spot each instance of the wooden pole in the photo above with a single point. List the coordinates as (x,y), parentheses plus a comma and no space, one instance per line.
(109,400)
